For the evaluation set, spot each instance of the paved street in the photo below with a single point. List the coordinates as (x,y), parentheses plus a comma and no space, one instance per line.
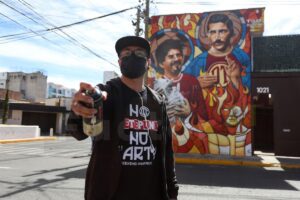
(55,170)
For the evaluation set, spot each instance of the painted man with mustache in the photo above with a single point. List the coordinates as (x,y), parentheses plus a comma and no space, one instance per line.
(183,91)
(223,72)
(184,98)
(223,62)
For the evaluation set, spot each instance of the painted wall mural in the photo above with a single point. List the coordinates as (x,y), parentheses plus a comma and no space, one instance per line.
(201,63)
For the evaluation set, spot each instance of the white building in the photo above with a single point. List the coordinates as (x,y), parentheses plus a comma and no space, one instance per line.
(107,75)
(3,79)
(56,91)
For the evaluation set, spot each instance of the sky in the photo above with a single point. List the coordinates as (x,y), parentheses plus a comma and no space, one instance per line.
(81,53)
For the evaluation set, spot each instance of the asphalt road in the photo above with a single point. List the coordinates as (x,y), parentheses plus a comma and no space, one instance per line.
(55,170)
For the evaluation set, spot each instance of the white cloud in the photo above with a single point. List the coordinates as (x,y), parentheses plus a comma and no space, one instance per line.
(4,69)
(36,53)
(70,83)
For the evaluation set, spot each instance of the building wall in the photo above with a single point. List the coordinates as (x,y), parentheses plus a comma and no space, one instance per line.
(282,93)
(3,79)
(216,118)
(61,120)
(13,95)
(15,80)
(3,75)
(2,84)
(57,90)
(36,85)
(65,102)
(15,118)
(32,86)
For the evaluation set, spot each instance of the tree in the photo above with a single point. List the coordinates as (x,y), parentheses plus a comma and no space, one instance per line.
(5,107)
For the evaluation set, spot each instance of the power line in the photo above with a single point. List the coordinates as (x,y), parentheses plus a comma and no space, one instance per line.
(88,20)
(72,24)
(25,27)
(71,39)
(237,2)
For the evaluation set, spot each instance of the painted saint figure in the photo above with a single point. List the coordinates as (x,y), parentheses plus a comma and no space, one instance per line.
(223,72)
(185,103)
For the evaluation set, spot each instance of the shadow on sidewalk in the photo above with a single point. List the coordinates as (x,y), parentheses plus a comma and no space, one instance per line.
(237,176)
(42,183)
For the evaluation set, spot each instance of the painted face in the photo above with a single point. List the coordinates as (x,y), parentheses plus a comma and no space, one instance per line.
(232,115)
(173,62)
(219,36)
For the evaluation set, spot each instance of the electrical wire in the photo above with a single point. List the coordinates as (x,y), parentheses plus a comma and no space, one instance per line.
(237,2)
(72,24)
(71,39)
(25,27)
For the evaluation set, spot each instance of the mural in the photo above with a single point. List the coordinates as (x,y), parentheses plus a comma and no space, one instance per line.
(201,63)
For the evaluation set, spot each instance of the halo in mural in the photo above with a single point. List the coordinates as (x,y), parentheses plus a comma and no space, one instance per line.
(175,34)
(239,28)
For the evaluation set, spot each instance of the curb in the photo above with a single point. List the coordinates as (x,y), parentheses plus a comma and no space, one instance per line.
(10,141)
(225,162)
(235,162)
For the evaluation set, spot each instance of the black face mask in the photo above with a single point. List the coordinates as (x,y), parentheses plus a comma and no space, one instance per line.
(133,66)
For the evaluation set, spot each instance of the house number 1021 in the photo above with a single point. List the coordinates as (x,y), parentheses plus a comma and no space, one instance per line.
(263,90)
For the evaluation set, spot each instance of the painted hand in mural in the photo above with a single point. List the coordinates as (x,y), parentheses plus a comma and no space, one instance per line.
(183,109)
(177,109)
(233,71)
(163,86)
(207,80)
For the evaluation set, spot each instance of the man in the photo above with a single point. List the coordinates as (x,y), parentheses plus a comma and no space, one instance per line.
(132,157)
(224,74)
(222,58)
(183,92)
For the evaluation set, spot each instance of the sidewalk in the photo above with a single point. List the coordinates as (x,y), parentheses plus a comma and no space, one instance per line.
(259,159)
(45,138)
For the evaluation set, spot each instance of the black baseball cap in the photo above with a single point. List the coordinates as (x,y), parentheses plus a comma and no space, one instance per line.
(132,41)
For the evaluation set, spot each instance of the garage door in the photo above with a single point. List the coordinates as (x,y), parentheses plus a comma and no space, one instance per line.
(44,120)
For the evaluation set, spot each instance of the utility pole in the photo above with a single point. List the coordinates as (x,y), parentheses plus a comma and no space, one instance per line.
(146,18)
(144,14)
(138,22)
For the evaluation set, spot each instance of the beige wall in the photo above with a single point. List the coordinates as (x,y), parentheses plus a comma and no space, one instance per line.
(63,101)
(16,117)
(32,86)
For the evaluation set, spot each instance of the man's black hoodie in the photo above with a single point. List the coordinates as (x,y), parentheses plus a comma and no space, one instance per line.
(104,169)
